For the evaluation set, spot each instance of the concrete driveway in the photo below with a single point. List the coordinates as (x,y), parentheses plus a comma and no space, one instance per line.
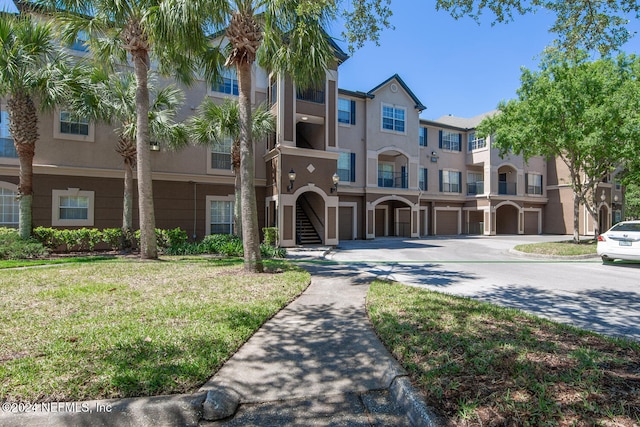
(580,292)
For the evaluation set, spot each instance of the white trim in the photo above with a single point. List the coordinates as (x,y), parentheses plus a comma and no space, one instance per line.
(395,107)
(435,217)
(57,134)
(14,189)
(354,214)
(207,216)
(55,208)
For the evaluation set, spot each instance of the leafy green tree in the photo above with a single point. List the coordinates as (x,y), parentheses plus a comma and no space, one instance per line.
(632,200)
(110,98)
(587,24)
(584,113)
(33,72)
(171,32)
(215,122)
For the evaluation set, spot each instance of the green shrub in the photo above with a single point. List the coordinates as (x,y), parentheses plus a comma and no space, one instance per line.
(113,237)
(176,237)
(47,236)
(13,247)
(268,251)
(270,236)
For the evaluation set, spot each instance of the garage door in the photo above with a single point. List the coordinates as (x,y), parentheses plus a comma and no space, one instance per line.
(531,223)
(345,216)
(446,223)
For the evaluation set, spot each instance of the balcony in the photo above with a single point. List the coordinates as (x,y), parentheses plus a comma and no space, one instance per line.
(474,188)
(392,179)
(311,95)
(507,188)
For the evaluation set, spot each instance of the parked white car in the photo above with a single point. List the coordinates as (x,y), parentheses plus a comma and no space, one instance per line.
(622,241)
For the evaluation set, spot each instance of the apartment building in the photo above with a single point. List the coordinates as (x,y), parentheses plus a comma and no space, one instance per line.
(342,165)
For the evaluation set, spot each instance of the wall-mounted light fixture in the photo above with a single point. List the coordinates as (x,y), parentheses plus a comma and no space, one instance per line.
(434,157)
(292,179)
(154,146)
(603,196)
(335,179)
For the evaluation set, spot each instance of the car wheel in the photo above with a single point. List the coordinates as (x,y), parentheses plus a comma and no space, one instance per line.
(606,259)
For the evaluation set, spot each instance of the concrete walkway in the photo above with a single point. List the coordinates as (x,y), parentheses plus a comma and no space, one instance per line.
(317,362)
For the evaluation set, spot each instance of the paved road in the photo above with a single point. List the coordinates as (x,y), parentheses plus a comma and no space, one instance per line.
(582,292)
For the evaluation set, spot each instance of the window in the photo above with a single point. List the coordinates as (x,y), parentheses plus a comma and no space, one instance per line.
(72,124)
(273,91)
(423,180)
(450,140)
(450,181)
(347,167)
(393,118)
(475,183)
(423,137)
(221,217)
(72,207)
(7,149)
(221,154)
(385,175)
(346,111)
(9,205)
(80,44)
(474,142)
(227,83)
(533,182)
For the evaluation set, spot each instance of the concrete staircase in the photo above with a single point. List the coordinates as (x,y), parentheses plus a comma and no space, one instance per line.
(306,233)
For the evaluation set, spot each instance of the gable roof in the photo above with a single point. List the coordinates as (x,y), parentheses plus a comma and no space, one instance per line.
(463,122)
(418,105)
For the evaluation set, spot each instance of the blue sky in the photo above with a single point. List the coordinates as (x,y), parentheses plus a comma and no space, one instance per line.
(453,67)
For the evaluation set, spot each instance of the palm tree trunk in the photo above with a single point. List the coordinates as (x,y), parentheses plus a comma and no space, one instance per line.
(127,208)
(237,207)
(148,244)
(22,116)
(250,235)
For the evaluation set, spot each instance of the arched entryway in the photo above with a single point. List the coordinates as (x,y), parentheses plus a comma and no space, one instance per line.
(310,221)
(392,216)
(507,219)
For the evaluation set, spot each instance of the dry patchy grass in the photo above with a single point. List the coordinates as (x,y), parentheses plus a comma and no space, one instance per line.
(482,365)
(125,328)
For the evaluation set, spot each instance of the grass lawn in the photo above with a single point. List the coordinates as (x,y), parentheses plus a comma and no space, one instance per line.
(122,328)
(479,364)
(566,248)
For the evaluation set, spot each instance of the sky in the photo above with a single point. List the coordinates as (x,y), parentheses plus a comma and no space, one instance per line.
(453,67)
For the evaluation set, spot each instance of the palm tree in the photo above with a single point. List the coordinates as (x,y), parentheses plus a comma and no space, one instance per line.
(285,37)
(171,32)
(215,122)
(32,71)
(110,98)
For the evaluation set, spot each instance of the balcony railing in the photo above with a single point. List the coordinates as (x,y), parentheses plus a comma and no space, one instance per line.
(534,189)
(474,188)
(507,188)
(311,95)
(392,179)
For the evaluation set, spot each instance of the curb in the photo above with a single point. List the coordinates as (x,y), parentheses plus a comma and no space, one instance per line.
(553,257)
(169,411)
(409,399)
